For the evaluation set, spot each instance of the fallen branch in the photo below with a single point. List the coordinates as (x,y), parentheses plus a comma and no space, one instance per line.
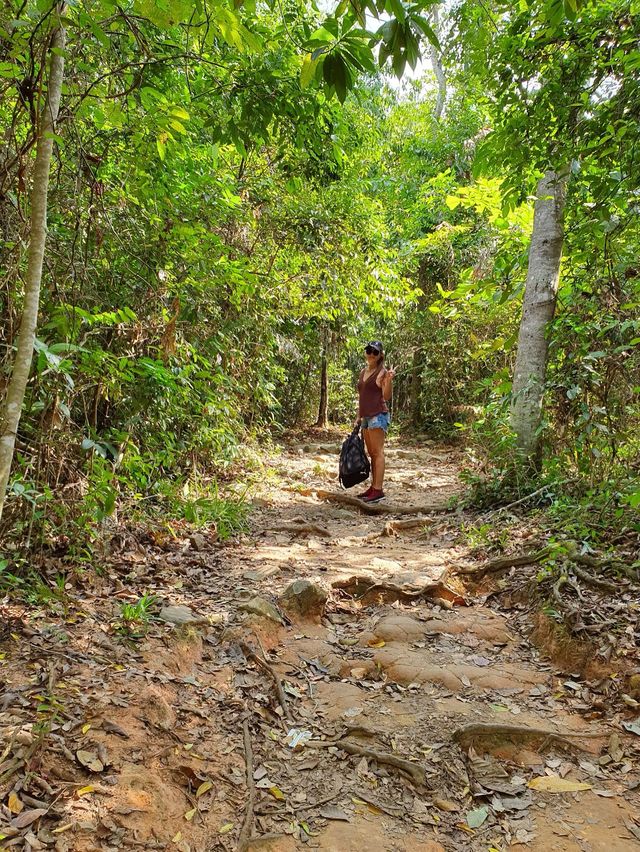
(244,837)
(251,654)
(413,770)
(372,508)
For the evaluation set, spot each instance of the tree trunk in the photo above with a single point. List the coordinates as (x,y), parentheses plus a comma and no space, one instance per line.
(323,408)
(436,64)
(12,408)
(541,290)
(415,388)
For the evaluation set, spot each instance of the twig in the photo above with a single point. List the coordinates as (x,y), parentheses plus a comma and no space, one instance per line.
(304,808)
(247,826)
(526,498)
(413,770)
(251,654)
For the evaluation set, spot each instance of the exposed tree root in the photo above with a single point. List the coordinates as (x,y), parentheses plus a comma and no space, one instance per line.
(361,587)
(391,527)
(413,770)
(372,508)
(502,563)
(247,826)
(299,527)
(589,578)
(469,734)
(252,655)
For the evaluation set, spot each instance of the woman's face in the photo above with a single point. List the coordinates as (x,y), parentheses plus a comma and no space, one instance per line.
(372,355)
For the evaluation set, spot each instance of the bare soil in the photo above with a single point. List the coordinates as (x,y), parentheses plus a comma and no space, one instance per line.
(403,657)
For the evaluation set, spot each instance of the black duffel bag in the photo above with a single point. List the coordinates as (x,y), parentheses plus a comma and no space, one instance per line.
(354,462)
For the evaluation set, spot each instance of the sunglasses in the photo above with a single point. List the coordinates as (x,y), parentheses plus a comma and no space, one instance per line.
(370,350)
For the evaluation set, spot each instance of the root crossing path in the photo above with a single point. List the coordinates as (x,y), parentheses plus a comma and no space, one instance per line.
(377,706)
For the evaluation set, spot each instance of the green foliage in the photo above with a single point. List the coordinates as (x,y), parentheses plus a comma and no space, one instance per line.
(139,612)
(238,191)
(227,515)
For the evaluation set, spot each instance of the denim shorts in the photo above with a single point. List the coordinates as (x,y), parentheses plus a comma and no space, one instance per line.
(378,421)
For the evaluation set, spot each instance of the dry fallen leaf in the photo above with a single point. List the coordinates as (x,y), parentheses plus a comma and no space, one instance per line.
(89,760)
(553,784)
(84,791)
(203,788)
(190,814)
(224,829)
(15,805)
(334,813)
(27,817)
(277,793)
(445,805)
(376,643)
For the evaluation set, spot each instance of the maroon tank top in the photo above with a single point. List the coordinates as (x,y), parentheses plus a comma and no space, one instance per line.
(371,396)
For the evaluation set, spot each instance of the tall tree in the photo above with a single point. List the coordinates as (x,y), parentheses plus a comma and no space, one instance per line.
(45,137)
(538,309)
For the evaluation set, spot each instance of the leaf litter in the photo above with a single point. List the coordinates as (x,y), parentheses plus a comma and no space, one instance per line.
(139,739)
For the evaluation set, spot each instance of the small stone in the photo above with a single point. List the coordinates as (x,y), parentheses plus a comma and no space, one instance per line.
(156,709)
(179,615)
(262,607)
(304,599)
(197,541)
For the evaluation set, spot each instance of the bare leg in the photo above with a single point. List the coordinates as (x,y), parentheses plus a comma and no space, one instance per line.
(367,442)
(376,451)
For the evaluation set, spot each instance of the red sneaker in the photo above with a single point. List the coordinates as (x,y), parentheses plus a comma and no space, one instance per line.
(365,493)
(374,496)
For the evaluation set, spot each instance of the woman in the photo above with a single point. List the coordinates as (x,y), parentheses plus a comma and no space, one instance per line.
(374,388)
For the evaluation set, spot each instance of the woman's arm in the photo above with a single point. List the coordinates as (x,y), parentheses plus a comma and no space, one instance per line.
(385,381)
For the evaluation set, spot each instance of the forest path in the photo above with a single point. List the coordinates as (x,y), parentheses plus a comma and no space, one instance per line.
(145,745)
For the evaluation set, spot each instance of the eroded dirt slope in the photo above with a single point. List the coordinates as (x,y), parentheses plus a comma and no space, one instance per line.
(421,717)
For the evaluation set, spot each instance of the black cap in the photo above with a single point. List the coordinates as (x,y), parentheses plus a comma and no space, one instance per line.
(375,344)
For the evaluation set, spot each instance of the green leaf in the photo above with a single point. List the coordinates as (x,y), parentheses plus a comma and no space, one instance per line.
(308,70)
(477,817)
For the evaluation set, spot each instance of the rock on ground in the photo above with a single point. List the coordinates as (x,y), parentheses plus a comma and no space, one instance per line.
(303,599)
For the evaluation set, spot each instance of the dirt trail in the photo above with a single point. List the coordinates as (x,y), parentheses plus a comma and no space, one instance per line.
(391,673)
